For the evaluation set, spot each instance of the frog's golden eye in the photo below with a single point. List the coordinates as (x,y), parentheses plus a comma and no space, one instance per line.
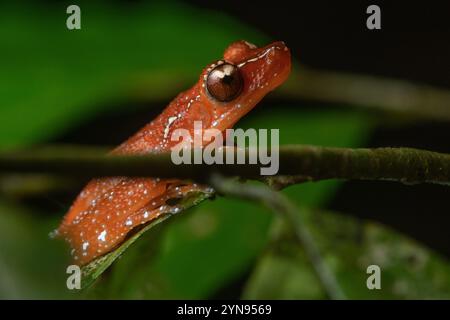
(224,82)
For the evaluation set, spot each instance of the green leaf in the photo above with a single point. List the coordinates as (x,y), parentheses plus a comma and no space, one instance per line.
(349,246)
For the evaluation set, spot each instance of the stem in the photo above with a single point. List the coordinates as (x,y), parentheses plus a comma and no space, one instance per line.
(280,204)
(371,92)
(301,163)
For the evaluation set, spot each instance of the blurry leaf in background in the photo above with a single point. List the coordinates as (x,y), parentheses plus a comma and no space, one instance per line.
(408,270)
(53,78)
(32,266)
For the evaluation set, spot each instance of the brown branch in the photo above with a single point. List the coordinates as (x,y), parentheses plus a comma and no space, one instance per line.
(302,163)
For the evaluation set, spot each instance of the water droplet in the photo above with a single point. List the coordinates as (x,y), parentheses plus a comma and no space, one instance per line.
(175,209)
(53,234)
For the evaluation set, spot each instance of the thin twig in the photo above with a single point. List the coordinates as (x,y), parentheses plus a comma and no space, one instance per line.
(280,204)
(306,163)
(378,93)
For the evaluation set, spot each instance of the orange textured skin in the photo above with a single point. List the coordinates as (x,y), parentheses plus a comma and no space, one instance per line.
(108,209)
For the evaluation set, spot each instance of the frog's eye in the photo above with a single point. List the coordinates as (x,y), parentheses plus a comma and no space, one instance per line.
(224,82)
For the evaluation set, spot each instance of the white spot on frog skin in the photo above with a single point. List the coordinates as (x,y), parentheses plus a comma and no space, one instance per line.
(169,123)
(85,245)
(146,214)
(102,236)
(250,45)
(128,222)
(261,55)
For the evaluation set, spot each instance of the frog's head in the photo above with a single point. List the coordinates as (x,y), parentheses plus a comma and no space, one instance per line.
(246,74)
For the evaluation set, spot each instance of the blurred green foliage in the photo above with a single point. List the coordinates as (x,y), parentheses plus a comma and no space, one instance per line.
(54,79)
(55,76)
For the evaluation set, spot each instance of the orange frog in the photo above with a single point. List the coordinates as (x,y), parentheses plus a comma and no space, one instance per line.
(109,209)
